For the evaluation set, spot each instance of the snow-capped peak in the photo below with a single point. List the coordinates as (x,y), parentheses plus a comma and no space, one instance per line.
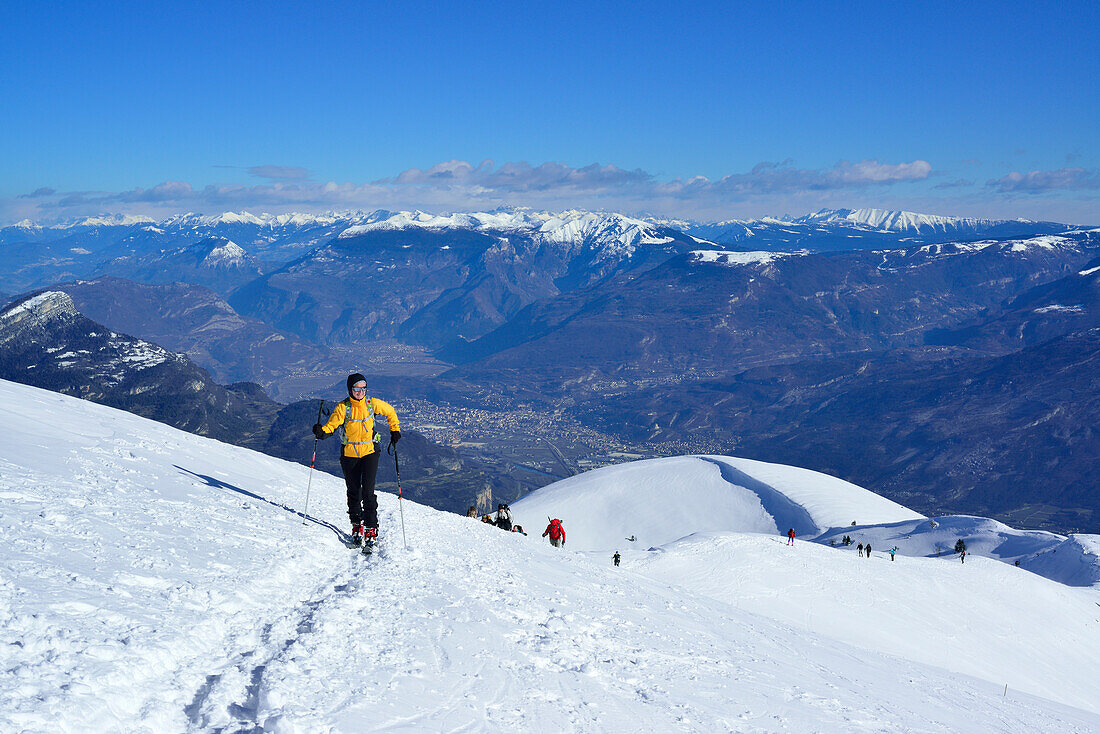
(225,254)
(237,218)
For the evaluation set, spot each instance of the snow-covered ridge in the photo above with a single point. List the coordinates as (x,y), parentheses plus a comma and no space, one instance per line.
(1058,308)
(673,497)
(615,235)
(31,314)
(732,258)
(522,219)
(895,221)
(191,219)
(36,312)
(1046,242)
(1041,242)
(44,303)
(271,221)
(567,226)
(113,220)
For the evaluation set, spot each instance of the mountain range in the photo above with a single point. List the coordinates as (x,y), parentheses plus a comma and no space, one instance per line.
(848,229)
(36,255)
(431,280)
(542,342)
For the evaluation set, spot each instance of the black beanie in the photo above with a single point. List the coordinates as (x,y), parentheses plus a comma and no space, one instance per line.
(352,379)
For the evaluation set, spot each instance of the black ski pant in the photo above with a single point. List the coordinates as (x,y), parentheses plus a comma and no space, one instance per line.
(359,475)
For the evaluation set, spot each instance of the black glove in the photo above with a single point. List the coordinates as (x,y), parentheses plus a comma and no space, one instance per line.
(319,432)
(395,436)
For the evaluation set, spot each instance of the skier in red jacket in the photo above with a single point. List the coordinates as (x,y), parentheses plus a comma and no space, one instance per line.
(556,533)
(790,537)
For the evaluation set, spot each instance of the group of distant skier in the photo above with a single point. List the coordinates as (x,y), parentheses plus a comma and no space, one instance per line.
(503,519)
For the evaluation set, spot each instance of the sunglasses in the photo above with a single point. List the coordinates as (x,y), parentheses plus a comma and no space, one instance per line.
(357,388)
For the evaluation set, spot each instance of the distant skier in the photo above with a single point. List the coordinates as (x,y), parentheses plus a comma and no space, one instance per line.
(556,533)
(790,537)
(631,538)
(867,550)
(359,457)
(616,558)
(471,511)
(518,529)
(892,552)
(859,549)
(504,517)
(962,556)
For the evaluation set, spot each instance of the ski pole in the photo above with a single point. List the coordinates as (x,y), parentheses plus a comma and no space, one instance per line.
(312,461)
(400,509)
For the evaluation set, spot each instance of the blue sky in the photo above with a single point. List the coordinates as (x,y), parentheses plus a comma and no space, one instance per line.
(706,110)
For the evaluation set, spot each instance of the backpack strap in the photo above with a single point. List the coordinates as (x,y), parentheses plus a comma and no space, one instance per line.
(370,418)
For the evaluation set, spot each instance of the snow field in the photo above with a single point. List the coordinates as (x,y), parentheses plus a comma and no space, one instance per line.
(155,581)
(983,618)
(125,567)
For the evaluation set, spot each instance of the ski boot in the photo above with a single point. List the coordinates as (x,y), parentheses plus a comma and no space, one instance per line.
(370,537)
(356,534)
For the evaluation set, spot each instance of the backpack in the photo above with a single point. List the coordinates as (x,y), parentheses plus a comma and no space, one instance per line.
(343,428)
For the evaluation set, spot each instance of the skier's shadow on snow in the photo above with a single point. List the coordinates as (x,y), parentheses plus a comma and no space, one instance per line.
(219,484)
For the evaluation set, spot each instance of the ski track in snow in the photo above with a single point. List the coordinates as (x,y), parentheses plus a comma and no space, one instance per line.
(154,581)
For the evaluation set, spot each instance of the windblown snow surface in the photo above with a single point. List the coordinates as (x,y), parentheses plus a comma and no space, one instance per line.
(155,581)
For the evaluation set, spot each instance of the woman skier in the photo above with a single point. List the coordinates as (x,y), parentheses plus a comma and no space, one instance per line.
(359,458)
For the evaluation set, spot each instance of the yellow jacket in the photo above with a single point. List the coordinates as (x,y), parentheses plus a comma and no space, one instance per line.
(360,424)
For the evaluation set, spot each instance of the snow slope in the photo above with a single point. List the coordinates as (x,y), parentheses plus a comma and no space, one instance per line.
(661,500)
(152,580)
(982,618)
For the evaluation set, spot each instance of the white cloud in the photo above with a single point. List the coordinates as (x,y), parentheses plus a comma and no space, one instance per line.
(456,185)
(1040,182)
